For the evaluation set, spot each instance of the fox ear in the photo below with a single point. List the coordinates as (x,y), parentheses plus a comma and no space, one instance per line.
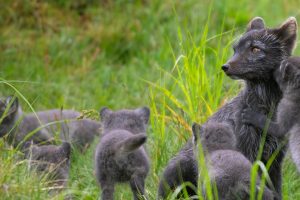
(256,23)
(197,130)
(287,33)
(144,113)
(104,112)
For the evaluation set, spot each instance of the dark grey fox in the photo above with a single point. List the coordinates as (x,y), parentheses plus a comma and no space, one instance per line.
(257,54)
(183,168)
(52,160)
(18,126)
(288,112)
(120,155)
(228,168)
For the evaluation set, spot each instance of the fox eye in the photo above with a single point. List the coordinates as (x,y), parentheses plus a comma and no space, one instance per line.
(255,50)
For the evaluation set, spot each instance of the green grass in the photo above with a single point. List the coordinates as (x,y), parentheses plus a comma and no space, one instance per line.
(125,54)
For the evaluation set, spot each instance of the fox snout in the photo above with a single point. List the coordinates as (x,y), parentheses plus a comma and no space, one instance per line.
(225,67)
(231,66)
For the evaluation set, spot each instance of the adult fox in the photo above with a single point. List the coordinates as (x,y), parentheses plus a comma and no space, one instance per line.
(257,54)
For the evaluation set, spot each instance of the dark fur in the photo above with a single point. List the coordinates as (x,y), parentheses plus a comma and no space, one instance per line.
(51,160)
(261,91)
(78,132)
(181,169)
(288,113)
(229,169)
(120,155)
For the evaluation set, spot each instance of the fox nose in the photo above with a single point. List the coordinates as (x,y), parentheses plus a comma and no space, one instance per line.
(225,67)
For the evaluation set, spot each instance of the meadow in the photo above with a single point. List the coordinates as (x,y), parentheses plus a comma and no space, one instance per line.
(84,55)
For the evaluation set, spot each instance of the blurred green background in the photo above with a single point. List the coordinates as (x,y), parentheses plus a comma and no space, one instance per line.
(122,54)
(86,54)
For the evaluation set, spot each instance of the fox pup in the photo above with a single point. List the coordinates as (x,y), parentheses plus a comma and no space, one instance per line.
(20,127)
(183,168)
(228,168)
(120,156)
(287,120)
(50,159)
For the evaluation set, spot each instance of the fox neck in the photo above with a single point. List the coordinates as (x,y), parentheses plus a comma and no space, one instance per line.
(262,94)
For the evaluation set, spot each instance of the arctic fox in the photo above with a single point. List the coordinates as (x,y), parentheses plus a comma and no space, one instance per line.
(20,127)
(120,156)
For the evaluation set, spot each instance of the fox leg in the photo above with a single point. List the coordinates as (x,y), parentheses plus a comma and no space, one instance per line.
(107,191)
(137,184)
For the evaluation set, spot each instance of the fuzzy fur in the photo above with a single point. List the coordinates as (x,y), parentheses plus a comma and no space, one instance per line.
(51,160)
(183,168)
(287,120)
(228,169)
(120,156)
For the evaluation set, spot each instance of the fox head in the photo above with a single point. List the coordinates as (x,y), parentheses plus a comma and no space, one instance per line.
(9,108)
(260,50)
(134,121)
(287,76)
(214,136)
